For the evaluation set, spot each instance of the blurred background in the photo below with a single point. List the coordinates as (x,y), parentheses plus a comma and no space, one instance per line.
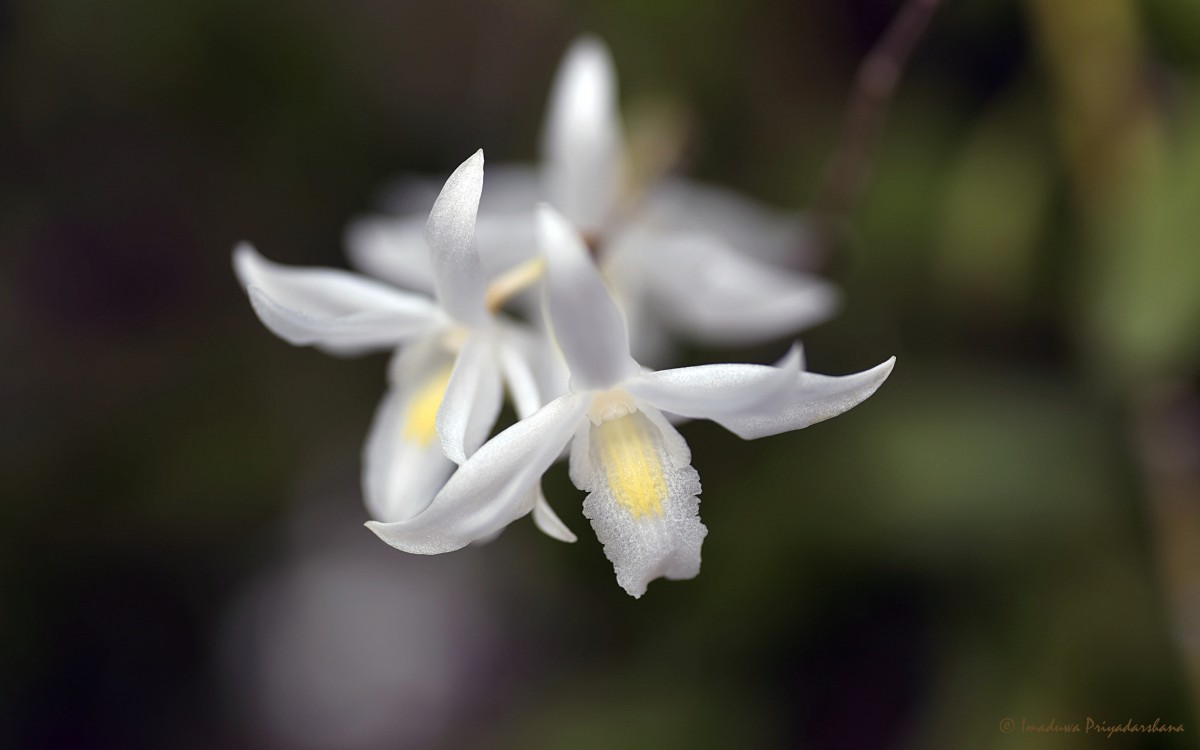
(1009,528)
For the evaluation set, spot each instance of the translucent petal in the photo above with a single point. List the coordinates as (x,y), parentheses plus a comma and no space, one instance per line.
(493,488)
(713,391)
(472,401)
(582,142)
(811,399)
(457,271)
(392,249)
(329,308)
(711,293)
(762,232)
(401,474)
(642,505)
(587,325)
(395,249)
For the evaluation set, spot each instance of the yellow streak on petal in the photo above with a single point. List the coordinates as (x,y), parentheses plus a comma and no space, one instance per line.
(632,465)
(420,423)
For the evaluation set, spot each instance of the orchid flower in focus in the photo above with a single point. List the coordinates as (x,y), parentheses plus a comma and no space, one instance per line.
(681,258)
(643,492)
(454,355)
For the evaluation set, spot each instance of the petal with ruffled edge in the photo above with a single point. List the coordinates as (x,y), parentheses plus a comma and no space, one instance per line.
(335,310)
(403,463)
(493,488)
(458,273)
(587,325)
(642,500)
(713,294)
(811,398)
(472,400)
(582,142)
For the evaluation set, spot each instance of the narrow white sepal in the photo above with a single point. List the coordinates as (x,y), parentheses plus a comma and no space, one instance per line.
(713,391)
(472,400)
(813,398)
(582,141)
(458,273)
(333,309)
(714,294)
(586,324)
(392,249)
(548,521)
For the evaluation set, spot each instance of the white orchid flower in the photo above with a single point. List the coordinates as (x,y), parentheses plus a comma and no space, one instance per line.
(680,258)
(446,383)
(636,467)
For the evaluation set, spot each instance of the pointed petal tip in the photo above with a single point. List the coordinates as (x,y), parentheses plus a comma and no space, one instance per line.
(244,259)
(588,49)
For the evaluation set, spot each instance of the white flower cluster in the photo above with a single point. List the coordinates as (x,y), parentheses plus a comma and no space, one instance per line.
(613,277)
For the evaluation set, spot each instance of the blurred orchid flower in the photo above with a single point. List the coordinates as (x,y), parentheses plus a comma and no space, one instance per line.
(681,258)
(636,467)
(446,382)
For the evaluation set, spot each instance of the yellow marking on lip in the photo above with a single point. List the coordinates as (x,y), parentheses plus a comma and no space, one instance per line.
(420,423)
(632,463)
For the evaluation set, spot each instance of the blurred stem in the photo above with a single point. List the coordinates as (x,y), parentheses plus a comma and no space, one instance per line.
(1112,135)
(875,84)
(1168,441)
(1108,125)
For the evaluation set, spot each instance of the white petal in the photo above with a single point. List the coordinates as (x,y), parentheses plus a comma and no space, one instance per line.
(643,505)
(548,522)
(586,323)
(759,231)
(523,387)
(582,142)
(713,294)
(715,391)
(332,309)
(401,475)
(392,249)
(457,271)
(811,399)
(492,489)
(472,401)
(520,379)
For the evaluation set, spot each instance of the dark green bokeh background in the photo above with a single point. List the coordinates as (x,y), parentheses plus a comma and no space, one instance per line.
(1009,528)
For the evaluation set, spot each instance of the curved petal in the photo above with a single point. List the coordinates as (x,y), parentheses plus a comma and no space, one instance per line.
(812,398)
(521,382)
(457,271)
(472,400)
(402,471)
(548,521)
(492,489)
(763,232)
(392,249)
(581,142)
(713,294)
(586,323)
(643,503)
(332,309)
(712,391)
